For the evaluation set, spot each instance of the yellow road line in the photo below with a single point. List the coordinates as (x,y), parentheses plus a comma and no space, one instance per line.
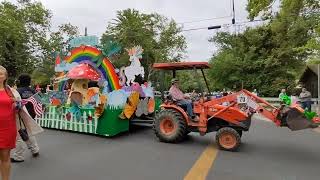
(200,169)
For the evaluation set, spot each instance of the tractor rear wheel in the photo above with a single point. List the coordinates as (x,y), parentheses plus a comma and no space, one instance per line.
(228,139)
(169,126)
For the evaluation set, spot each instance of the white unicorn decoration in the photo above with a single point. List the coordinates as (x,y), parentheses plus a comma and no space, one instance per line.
(135,67)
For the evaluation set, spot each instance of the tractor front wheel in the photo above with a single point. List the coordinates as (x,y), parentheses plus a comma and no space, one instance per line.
(169,126)
(239,132)
(228,139)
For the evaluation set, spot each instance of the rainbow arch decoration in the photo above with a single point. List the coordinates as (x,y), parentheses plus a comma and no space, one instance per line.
(85,54)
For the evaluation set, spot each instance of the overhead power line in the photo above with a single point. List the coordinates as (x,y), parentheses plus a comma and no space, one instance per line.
(232,14)
(219,26)
(201,20)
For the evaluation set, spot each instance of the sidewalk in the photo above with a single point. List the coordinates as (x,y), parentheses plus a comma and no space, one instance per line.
(316,130)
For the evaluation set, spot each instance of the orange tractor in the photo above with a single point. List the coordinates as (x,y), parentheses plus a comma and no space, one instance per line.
(229,115)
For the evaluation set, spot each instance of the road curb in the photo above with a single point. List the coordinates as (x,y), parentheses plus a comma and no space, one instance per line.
(316,130)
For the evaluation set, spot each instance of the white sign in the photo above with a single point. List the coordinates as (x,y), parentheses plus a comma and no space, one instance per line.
(252,104)
(242,99)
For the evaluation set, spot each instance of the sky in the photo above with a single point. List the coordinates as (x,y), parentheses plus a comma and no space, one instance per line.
(95,15)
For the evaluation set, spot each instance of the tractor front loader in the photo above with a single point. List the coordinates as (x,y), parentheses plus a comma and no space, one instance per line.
(229,116)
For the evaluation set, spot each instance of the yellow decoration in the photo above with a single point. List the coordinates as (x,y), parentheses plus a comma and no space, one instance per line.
(91,92)
(99,110)
(79,89)
(131,106)
(103,99)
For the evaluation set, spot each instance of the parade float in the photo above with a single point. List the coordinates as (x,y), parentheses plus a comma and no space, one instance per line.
(91,95)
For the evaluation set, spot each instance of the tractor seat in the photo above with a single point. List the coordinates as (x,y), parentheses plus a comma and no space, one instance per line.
(170,98)
(174,101)
(179,104)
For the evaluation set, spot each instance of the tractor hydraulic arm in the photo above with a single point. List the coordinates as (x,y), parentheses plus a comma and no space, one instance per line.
(262,107)
(237,107)
(255,104)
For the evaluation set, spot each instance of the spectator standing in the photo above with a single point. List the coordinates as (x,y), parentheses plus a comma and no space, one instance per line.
(8,127)
(11,112)
(305,98)
(282,93)
(255,92)
(25,91)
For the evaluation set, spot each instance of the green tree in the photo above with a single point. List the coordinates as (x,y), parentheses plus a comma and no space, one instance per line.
(313,45)
(268,57)
(24,42)
(264,7)
(189,81)
(57,43)
(23,30)
(158,36)
(293,11)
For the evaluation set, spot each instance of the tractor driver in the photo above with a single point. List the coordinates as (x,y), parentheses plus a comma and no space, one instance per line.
(182,99)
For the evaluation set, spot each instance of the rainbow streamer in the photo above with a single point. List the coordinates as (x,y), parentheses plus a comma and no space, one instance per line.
(85,54)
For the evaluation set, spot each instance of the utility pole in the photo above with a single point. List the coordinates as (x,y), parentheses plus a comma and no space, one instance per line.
(233,21)
(233,13)
(318,109)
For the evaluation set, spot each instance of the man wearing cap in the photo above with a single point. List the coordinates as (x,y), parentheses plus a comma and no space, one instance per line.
(179,96)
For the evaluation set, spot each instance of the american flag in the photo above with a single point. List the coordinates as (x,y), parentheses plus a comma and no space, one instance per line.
(37,105)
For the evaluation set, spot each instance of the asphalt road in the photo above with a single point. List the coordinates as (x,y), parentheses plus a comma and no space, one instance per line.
(267,153)
(271,153)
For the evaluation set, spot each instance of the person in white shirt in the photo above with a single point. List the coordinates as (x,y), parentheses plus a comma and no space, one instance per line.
(305,98)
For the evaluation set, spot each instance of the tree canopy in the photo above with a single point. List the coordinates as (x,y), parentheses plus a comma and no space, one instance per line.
(269,57)
(23,30)
(57,43)
(26,41)
(159,36)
